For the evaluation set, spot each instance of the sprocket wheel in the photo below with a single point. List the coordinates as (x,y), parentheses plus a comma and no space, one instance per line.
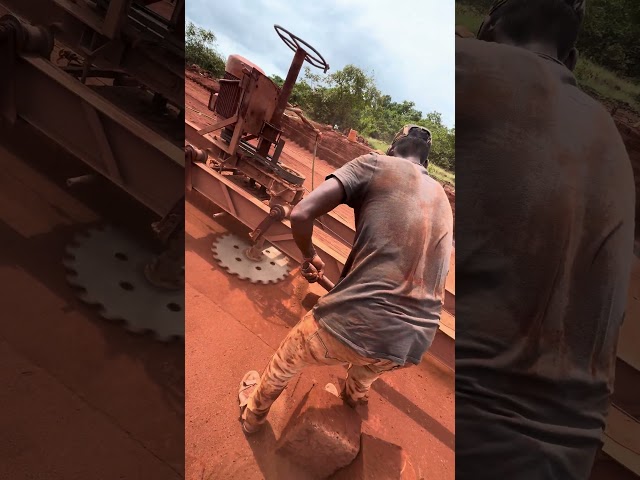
(229,250)
(109,268)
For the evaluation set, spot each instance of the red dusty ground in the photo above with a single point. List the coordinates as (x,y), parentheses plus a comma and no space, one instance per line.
(81,397)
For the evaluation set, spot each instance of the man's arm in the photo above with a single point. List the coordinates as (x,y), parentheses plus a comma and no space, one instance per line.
(321,201)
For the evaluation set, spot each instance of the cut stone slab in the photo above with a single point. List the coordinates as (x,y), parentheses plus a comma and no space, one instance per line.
(322,434)
(378,460)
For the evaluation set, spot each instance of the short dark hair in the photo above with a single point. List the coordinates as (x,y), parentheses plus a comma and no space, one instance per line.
(412,146)
(556,21)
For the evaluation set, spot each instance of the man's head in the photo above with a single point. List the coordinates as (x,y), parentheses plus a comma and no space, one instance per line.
(412,141)
(550,25)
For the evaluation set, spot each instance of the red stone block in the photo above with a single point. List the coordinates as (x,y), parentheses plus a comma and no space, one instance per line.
(322,435)
(378,460)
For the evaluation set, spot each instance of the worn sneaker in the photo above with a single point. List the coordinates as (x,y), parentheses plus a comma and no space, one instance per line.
(247,386)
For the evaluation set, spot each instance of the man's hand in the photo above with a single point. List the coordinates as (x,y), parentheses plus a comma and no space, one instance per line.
(313,269)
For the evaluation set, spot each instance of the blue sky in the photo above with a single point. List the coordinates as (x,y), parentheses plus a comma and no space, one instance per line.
(408,45)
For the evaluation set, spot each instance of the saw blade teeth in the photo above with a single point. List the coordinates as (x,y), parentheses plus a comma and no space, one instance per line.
(84,297)
(81,237)
(69,266)
(91,256)
(134,329)
(271,269)
(72,247)
(112,317)
(74,280)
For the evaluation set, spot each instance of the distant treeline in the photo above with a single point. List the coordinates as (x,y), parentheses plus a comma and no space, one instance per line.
(610,37)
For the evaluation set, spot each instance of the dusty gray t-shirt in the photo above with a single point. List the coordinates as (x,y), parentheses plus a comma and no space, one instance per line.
(544,245)
(388,302)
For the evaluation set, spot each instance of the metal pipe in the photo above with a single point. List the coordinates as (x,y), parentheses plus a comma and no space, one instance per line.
(287,88)
(255,251)
(323,281)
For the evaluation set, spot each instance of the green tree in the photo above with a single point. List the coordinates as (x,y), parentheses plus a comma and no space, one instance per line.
(200,48)
(351,99)
(609,34)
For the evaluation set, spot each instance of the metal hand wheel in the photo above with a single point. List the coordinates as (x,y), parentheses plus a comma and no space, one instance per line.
(294,43)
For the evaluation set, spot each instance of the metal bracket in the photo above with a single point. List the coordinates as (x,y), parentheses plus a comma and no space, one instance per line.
(220,125)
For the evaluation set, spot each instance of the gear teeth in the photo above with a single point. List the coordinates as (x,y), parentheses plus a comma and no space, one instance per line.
(71,250)
(165,338)
(104,313)
(81,237)
(69,266)
(135,329)
(228,246)
(74,280)
(85,297)
(93,252)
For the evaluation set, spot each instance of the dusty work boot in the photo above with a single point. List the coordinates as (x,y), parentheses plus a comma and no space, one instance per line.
(247,386)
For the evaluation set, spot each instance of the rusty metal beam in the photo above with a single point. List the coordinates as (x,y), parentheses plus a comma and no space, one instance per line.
(147,166)
(622,439)
(251,212)
(116,17)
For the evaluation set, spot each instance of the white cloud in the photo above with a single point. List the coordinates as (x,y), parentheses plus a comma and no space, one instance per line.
(408,45)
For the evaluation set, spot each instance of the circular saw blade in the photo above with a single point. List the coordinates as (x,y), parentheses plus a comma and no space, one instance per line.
(229,250)
(109,268)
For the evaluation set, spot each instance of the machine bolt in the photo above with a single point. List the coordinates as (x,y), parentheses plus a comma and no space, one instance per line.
(73,181)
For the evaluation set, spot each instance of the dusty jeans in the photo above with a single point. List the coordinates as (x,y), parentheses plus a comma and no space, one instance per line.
(310,344)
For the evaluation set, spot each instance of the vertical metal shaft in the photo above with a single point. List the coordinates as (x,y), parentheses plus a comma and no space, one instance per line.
(287,88)
(296,65)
